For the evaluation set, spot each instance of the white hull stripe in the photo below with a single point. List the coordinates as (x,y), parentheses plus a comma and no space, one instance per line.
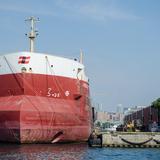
(41,64)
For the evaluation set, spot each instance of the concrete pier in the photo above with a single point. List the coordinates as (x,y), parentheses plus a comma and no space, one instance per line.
(131,139)
(126,139)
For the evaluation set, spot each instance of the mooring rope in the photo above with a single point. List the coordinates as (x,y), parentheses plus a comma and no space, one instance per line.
(157,141)
(136,143)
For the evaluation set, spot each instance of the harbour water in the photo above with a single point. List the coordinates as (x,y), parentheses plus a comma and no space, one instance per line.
(74,152)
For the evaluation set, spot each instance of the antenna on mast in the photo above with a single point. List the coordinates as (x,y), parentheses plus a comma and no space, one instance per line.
(33,33)
(81,56)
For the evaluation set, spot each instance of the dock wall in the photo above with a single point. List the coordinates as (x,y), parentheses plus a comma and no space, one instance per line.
(131,139)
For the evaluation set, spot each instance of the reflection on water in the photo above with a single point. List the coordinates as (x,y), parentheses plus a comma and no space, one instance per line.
(74,152)
(42,151)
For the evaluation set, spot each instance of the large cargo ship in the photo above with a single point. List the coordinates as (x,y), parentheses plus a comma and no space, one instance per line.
(43,98)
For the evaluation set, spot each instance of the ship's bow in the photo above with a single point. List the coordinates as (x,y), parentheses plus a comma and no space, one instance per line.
(10,119)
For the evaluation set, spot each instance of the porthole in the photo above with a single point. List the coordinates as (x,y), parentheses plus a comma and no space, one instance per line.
(23,69)
(30,69)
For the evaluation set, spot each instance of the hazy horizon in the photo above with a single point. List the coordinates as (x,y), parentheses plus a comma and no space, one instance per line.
(120,41)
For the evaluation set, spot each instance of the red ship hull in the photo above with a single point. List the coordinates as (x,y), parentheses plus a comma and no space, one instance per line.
(37,108)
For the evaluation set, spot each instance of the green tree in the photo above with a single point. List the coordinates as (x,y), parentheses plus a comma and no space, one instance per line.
(156,104)
(98,124)
(105,125)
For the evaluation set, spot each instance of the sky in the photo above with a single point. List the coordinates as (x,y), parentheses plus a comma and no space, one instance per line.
(120,40)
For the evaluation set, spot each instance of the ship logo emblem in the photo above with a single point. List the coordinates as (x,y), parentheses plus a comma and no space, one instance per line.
(23,59)
(67,93)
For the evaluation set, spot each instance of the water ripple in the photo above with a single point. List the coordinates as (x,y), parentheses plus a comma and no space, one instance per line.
(74,152)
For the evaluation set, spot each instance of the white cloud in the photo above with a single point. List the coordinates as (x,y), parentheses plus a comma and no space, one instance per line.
(24,9)
(97,10)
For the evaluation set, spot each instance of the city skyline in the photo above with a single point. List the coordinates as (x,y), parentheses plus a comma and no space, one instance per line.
(120,41)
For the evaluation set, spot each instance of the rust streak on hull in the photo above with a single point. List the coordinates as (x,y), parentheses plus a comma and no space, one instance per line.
(32,113)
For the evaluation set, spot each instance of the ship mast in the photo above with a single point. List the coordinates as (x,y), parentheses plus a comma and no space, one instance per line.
(33,33)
